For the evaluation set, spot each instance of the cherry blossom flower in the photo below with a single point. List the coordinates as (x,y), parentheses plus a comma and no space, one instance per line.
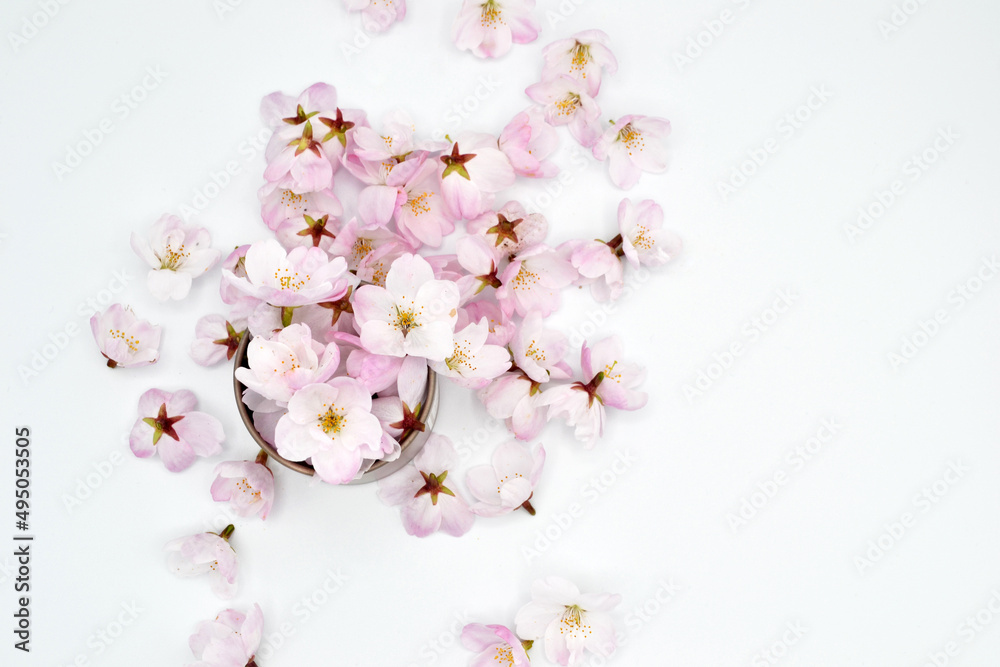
(633,145)
(124,339)
(488,28)
(248,486)
(310,137)
(510,228)
(206,553)
(497,646)
(517,399)
(567,101)
(422,217)
(538,352)
(216,339)
(231,640)
(480,261)
(428,505)
(395,141)
(532,281)
(598,266)
(643,242)
(413,314)
(509,482)
(578,406)
(288,279)
(279,203)
(527,141)
(378,15)
(286,362)
(400,412)
(569,621)
(473,362)
(331,424)
(307,231)
(189,434)
(177,254)
(583,57)
(501,328)
(474,170)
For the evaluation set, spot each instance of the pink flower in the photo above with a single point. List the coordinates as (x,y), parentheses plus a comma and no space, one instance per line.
(248,486)
(583,57)
(206,553)
(123,339)
(510,228)
(413,314)
(633,145)
(567,101)
(473,173)
(189,434)
(378,15)
(216,340)
(331,424)
(518,399)
(509,482)
(576,404)
(598,266)
(394,142)
(398,407)
(527,141)
(538,351)
(231,640)
(310,136)
(301,277)
(279,203)
(307,231)
(286,362)
(532,281)
(489,27)
(480,260)
(501,328)
(473,362)
(177,254)
(422,216)
(428,505)
(496,645)
(569,621)
(644,243)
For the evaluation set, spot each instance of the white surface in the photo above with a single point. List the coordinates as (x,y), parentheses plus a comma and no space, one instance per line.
(665,518)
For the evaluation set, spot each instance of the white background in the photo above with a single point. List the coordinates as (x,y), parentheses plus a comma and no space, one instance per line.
(666,516)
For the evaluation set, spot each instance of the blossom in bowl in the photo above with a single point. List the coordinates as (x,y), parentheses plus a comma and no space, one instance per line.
(332,425)
(216,339)
(177,254)
(569,622)
(287,361)
(632,145)
(124,339)
(474,171)
(508,482)
(283,279)
(643,241)
(230,640)
(206,553)
(414,314)
(168,425)
(428,505)
(473,362)
(584,56)
(496,646)
(488,28)
(248,486)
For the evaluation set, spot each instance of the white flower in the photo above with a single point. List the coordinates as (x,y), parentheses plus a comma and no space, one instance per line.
(177,254)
